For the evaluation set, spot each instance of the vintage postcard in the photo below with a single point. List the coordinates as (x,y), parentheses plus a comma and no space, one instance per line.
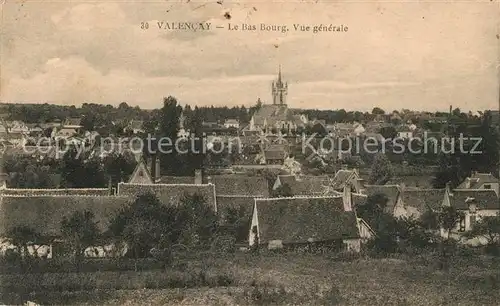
(183,152)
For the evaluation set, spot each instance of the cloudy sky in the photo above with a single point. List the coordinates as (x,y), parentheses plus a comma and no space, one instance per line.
(394,55)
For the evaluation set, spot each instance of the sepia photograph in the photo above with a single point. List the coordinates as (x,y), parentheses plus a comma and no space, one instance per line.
(216,152)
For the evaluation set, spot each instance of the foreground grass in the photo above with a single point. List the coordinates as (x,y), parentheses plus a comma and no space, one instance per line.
(315,280)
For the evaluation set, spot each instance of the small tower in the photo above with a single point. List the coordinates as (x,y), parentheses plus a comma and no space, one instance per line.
(279,90)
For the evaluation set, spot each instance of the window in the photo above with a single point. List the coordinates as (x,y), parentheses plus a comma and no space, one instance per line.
(462,224)
(487,186)
(472,221)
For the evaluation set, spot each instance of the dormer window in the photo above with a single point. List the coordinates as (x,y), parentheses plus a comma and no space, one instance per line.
(487,186)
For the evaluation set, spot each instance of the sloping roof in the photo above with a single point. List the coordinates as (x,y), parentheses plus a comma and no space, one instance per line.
(271,114)
(45,213)
(358,199)
(341,178)
(241,185)
(176,179)
(243,204)
(170,194)
(477,180)
(50,192)
(136,124)
(305,185)
(274,155)
(484,198)
(72,122)
(390,191)
(296,220)
(141,174)
(423,199)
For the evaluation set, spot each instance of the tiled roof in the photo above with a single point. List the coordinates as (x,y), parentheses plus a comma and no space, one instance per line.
(423,199)
(305,185)
(170,194)
(240,185)
(274,155)
(72,121)
(296,220)
(341,178)
(390,191)
(272,113)
(484,198)
(45,213)
(358,199)
(176,180)
(477,180)
(49,192)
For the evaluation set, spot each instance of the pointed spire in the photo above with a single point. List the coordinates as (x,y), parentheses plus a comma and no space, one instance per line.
(279,74)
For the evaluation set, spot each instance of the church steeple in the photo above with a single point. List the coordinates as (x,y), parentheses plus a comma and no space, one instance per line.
(279,90)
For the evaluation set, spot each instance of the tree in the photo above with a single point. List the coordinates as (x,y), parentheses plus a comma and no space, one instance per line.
(381,171)
(144,225)
(21,237)
(196,220)
(377,111)
(489,228)
(118,167)
(448,218)
(388,132)
(373,208)
(283,191)
(79,231)
(88,122)
(169,129)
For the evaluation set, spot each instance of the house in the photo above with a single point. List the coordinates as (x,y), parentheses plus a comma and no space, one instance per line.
(64,132)
(149,173)
(274,157)
(235,200)
(170,194)
(18,127)
(239,185)
(404,131)
(305,222)
(392,192)
(414,202)
(135,126)
(303,185)
(45,213)
(345,177)
(35,130)
(480,181)
(474,203)
(232,123)
(72,122)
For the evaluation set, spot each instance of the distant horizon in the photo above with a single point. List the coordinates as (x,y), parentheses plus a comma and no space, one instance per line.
(387,111)
(424,56)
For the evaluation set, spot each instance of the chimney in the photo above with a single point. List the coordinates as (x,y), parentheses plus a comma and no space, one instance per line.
(467,183)
(110,186)
(448,187)
(157,167)
(347,198)
(402,188)
(154,159)
(3,180)
(198,177)
(153,166)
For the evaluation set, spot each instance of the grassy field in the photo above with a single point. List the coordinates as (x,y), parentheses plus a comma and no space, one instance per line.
(307,279)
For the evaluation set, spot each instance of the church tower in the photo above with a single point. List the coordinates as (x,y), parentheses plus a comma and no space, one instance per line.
(279,90)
